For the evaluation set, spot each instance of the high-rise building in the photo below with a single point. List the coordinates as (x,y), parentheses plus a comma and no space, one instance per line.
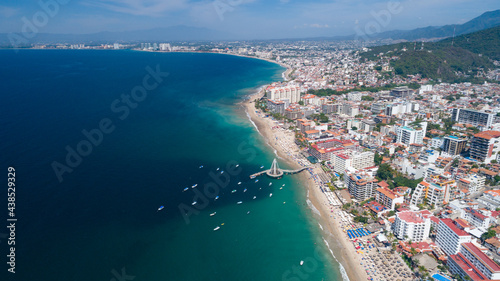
(402,92)
(471,262)
(432,193)
(449,237)
(408,135)
(291,93)
(361,185)
(410,225)
(482,147)
(453,145)
(476,118)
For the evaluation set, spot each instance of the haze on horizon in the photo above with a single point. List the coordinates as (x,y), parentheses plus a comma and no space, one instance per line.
(249,19)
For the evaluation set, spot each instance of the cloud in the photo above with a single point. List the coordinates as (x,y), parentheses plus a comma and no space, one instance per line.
(140,7)
(8,12)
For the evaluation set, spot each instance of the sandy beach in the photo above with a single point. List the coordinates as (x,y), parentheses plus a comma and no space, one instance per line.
(282,141)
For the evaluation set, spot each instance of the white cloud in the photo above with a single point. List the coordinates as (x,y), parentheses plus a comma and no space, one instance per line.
(8,12)
(140,7)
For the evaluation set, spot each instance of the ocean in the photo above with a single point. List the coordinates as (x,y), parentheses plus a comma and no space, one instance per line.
(101,139)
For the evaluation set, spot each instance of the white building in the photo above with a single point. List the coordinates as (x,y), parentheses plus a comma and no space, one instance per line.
(388,198)
(291,93)
(408,135)
(431,192)
(352,160)
(476,217)
(354,96)
(410,225)
(449,237)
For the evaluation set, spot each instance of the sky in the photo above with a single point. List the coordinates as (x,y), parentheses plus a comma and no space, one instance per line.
(249,19)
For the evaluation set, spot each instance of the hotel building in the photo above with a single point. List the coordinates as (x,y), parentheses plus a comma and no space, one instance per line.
(472,117)
(410,225)
(482,147)
(449,237)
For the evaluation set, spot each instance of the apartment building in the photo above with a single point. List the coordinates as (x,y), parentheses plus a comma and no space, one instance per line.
(410,225)
(476,118)
(449,237)
(453,145)
(484,146)
(388,198)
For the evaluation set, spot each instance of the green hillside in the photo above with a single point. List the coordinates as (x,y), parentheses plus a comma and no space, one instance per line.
(441,60)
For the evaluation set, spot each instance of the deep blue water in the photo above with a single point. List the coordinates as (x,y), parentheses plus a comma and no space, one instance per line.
(102,216)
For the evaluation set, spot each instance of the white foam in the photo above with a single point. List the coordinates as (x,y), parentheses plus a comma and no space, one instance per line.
(341,267)
(310,205)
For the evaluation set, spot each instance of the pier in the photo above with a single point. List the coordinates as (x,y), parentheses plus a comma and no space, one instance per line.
(276,172)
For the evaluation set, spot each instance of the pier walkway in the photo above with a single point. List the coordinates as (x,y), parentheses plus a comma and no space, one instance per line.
(276,172)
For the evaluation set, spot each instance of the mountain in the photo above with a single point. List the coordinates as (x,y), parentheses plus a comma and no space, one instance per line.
(450,59)
(165,34)
(484,21)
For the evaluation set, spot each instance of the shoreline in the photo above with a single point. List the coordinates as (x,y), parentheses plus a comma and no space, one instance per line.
(331,230)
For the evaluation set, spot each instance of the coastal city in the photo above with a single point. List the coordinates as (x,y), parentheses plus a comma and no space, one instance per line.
(405,169)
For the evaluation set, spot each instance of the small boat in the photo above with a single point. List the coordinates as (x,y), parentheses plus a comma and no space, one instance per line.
(216,197)
(248,212)
(185,189)
(233,191)
(161,208)
(194,185)
(213,214)
(270,183)
(194,203)
(301,262)
(270,195)
(254,197)
(245,190)
(257,180)
(281,187)
(222,172)
(217,169)
(201,167)
(237,165)
(217,228)
(239,182)
(239,202)
(262,167)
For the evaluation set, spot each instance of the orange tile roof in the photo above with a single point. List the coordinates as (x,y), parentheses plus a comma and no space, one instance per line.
(488,135)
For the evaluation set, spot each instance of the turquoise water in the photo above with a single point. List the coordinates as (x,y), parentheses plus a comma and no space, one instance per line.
(99,218)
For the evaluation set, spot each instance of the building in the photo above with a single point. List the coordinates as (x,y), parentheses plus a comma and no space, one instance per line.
(482,147)
(354,96)
(277,106)
(453,145)
(402,92)
(388,198)
(475,264)
(291,93)
(482,120)
(408,135)
(410,225)
(473,183)
(354,160)
(430,193)
(437,142)
(449,237)
(476,217)
(361,185)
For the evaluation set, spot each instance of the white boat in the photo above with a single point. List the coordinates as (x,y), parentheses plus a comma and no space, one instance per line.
(248,212)
(233,191)
(237,165)
(222,172)
(239,182)
(281,187)
(217,197)
(217,169)
(245,190)
(254,197)
(185,189)
(201,166)
(301,262)
(262,167)
(217,228)
(270,195)
(213,214)
(194,185)
(257,180)
(161,208)
(239,202)
(270,183)
(194,203)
